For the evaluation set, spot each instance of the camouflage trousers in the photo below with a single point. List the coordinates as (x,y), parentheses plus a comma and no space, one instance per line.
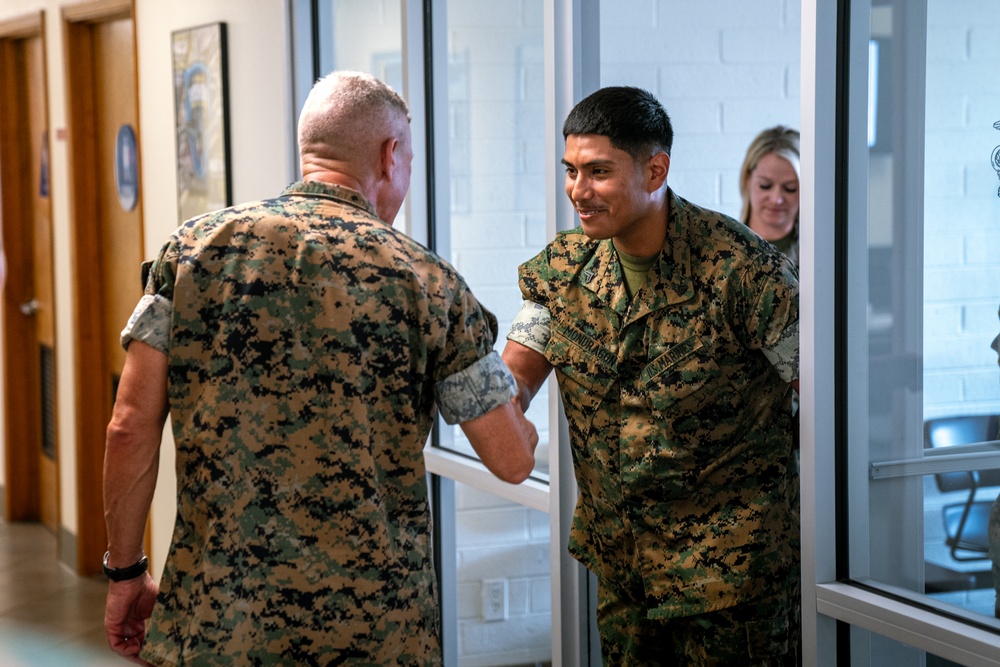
(764,632)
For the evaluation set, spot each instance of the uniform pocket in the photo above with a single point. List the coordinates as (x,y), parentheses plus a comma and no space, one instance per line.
(586,369)
(687,373)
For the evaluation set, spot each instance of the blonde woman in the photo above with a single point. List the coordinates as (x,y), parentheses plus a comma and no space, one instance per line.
(769,185)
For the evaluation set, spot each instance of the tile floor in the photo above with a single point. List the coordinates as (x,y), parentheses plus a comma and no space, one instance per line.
(49,616)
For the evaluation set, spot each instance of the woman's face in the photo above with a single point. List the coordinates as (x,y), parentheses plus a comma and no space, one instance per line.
(774,197)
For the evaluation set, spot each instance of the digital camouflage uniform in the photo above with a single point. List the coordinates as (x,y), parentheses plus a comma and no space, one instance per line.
(679,413)
(308,344)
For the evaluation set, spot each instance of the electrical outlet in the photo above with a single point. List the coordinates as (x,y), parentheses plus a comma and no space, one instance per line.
(494,599)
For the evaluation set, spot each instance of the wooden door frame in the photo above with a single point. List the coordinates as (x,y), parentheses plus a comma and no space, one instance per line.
(93,385)
(22,418)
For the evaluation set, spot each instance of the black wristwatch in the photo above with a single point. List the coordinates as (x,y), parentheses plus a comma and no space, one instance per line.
(125,573)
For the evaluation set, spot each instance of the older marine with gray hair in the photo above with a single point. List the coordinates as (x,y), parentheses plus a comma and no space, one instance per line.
(301,346)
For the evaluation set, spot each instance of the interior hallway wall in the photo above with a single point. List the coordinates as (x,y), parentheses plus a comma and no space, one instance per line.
(260,125)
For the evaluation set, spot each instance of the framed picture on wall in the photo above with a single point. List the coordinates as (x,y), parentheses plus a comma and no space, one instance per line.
(201,114)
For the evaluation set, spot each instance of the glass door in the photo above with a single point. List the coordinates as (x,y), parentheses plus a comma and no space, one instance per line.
(487,137)
(905,246)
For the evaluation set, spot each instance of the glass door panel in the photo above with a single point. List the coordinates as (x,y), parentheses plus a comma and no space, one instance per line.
(490,156)
(504,608)
(923,381)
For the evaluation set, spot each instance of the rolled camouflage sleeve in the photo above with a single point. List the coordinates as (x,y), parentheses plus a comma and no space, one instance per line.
(474,391)
(149,323)
(784,355)
(769,309)
(531,326)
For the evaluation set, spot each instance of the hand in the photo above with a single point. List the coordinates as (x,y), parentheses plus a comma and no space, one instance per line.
(531,433)
(129,606)
(523,398)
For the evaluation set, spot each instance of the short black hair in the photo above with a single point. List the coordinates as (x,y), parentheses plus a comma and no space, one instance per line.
(630,117)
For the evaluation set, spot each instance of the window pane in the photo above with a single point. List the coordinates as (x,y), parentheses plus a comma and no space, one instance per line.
(504,593)
(923,375)
(878,650)
(494,161)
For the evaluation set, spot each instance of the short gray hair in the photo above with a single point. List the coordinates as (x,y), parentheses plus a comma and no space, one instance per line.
(346,111)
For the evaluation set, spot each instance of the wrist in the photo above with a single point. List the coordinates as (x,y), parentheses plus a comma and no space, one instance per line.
(132,571)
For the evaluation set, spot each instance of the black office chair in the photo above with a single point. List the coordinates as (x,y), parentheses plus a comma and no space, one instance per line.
(966,522)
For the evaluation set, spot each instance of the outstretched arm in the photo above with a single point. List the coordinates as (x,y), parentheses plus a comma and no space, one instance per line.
(530,368)
(131,459)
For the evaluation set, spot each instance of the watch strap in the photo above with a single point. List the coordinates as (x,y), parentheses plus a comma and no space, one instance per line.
(125,573)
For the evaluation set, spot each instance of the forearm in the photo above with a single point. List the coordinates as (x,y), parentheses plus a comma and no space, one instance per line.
(132,451)
(505,442)
(529,368)
(131,462)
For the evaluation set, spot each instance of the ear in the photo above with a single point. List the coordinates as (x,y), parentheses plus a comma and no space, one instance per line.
(656,171)
(388,156)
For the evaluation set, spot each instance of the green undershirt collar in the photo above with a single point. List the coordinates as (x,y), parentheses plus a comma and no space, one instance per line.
(635,269)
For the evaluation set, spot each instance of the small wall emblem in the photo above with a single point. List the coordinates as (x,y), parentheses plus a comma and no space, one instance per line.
(127,168)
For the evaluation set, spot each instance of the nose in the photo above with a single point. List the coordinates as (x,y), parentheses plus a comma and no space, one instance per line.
(577,187)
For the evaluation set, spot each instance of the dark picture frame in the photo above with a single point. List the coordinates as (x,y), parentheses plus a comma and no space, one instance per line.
(201,117)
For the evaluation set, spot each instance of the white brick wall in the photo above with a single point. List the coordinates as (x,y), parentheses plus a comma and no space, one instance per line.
(962,210)
(723,71)
(497,540)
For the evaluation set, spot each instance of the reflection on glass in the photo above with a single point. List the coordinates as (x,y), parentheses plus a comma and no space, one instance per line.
(504,584)
(933,288)
(495,164)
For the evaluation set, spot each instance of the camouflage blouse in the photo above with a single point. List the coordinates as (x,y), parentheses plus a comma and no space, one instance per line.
(309,344)
(678,406)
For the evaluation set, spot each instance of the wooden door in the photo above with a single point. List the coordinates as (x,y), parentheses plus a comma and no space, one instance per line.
(107,234)
(120,225)
(29,297)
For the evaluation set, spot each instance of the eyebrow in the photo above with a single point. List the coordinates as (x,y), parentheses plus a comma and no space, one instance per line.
(592,163)
(775,180)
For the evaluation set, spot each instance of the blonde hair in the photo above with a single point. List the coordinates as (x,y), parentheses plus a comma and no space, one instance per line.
(347,114)
(780,140)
